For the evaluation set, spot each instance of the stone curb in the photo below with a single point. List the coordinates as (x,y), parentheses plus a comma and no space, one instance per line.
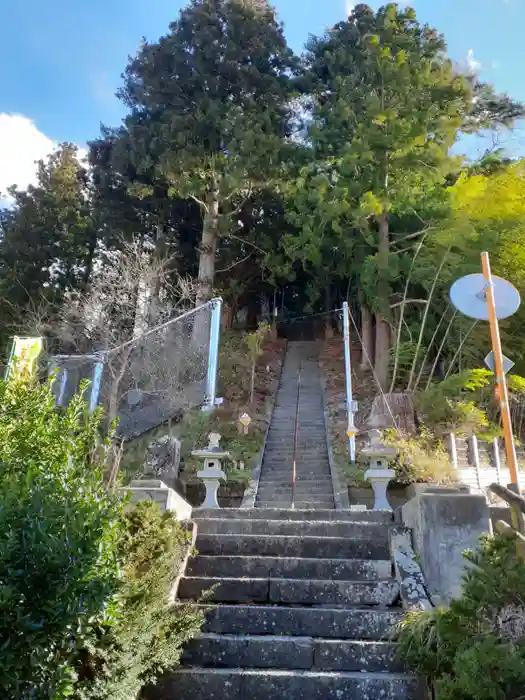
(193,529)
(408,572)
(342,502)
(250,494)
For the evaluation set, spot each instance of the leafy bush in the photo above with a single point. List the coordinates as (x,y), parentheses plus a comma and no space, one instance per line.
(121,658)
(59,529)
(421,459)
(475,649)
(84,608)
(454,404)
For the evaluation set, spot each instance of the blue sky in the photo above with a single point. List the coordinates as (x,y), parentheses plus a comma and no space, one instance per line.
(61,60)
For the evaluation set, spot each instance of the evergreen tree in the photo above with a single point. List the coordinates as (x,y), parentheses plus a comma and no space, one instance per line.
(209,110)
(48,236)
(386,107)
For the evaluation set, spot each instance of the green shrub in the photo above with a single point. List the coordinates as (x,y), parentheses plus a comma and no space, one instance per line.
(150,632)
(59,529)
(421,459)
(475,649)
(84,607)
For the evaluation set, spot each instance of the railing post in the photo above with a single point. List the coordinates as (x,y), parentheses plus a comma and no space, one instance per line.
(474,452)
(348,373)
(213,354)
(98,371)
(453,450)
(496,458)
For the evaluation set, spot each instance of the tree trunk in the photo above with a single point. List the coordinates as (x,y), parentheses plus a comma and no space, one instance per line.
(367,338)
(328,327)
(208,247)
(383,335)
(227,316)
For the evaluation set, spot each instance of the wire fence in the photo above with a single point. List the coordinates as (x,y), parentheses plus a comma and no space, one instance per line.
(151,378)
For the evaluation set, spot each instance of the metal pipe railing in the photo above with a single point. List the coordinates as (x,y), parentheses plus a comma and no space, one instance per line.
(295,439)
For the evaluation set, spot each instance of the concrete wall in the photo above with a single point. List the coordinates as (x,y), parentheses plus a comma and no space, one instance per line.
(443,527)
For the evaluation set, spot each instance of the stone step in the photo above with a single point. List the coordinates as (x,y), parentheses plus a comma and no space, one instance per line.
(320,479)
(269,491)
(293,546)
(290,567)
(325,622)
(283,503)
(244,684)
(288,591)
(372,516)
(309,528)
(306,653)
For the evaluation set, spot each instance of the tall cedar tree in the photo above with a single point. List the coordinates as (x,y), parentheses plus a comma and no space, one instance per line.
(48,236)
(209,110)
(387,106)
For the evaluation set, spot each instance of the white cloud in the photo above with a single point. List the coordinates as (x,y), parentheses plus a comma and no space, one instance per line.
(349,6)
(21,144)
(471,63)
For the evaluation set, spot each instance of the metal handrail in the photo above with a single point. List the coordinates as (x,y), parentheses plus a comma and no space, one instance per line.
(295,439)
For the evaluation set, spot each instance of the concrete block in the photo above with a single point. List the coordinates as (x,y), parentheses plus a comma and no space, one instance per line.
(261,684)
(314,528)
(303,592)
(369,516)
(338,655)
(290,546)
(290,567)
(325,622)
(443,527)
(155,490)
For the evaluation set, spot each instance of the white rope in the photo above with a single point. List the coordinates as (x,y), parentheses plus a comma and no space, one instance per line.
(369,360)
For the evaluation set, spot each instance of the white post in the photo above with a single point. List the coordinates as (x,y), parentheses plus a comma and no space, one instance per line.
(496,459)
(475,457)
(213,354)
(98,371)
(452,450)
(348,373)
(62,389)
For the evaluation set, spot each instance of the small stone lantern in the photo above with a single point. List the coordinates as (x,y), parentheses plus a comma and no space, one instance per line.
(379,475)
(211,473)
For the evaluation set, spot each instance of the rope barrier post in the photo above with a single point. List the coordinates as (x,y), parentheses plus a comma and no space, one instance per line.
(348,373)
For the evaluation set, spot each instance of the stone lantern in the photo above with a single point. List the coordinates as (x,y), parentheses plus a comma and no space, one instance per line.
(379,475)
(211,474)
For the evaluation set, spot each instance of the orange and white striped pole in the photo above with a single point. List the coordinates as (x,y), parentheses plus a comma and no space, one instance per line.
(501,382)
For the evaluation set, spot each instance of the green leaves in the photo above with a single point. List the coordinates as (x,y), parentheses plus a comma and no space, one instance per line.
(59,529)
(484,628)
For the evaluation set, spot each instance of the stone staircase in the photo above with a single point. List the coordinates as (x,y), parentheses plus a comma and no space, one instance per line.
(302,607)
(313,485)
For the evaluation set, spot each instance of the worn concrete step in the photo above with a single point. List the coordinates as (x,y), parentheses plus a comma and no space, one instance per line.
(325,622)
(310,528)
(252,684)
(285,503)
(372,516)
(320,479)
(290,567)
(288,591)
(306,653)
(302,491)
(293,546)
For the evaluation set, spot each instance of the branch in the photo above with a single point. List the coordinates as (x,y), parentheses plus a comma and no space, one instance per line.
(241,205)
(230,267)
(199,202)
(415,235)
(241,240)
(408,301)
